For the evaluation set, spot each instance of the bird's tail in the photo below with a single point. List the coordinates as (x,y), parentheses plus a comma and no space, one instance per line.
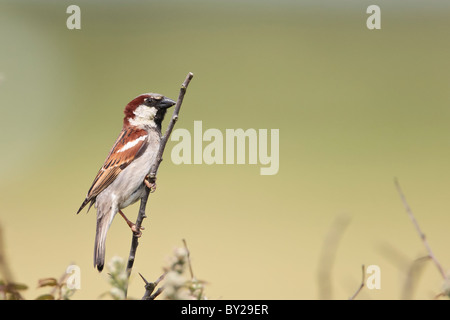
(103,223)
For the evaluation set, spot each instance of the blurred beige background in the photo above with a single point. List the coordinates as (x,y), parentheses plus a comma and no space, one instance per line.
(355,108)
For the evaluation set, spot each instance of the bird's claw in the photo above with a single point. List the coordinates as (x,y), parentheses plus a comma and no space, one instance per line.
(137,233)
(150,183)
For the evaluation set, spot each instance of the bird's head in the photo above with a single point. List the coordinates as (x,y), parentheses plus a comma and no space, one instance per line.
(147,109)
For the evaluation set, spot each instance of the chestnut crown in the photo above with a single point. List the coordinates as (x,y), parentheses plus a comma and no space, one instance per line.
(147,109)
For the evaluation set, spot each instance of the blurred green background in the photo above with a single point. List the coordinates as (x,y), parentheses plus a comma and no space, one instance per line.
(355,108)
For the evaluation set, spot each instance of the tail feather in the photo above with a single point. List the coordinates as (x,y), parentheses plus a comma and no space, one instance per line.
(83,205)
(85,202)
(103,223)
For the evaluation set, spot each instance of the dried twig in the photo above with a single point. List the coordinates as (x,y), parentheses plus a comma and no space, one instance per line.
(361,285)
(150,287)
(419,230)
(188,255)
(154,171)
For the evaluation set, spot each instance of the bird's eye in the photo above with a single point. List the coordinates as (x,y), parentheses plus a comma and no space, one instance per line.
(148,100)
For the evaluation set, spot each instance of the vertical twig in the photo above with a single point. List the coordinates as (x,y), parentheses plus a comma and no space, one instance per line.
(188,255)
(419,231)
(154,171)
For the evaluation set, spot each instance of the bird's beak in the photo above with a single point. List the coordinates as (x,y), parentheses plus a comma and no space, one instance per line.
(166,103)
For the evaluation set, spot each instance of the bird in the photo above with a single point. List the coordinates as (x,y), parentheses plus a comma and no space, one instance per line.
(122,179)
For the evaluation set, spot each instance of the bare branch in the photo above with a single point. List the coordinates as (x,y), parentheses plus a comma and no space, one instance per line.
(165,138)
(154,171)
(419,230)
(150,287)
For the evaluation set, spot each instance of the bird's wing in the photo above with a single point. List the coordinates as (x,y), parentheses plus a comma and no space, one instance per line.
(128,146)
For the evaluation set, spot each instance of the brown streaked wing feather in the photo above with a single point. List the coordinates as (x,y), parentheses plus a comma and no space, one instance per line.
(120,156)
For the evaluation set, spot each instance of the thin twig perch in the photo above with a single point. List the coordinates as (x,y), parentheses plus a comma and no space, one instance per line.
(419,231)
(154,171)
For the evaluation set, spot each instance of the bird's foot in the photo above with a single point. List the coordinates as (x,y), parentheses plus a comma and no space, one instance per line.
(137,233)
(150,183)
(132,225)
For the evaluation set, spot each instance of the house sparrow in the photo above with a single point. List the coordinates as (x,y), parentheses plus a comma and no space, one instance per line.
(121,180)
